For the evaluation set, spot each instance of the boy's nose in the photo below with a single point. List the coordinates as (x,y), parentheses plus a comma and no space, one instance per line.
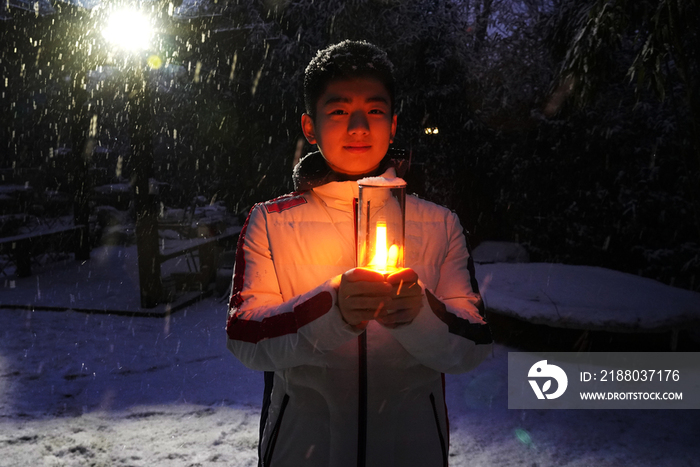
(358,123)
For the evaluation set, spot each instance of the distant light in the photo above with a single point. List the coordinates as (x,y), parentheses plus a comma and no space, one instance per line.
(129,30)
(431,130)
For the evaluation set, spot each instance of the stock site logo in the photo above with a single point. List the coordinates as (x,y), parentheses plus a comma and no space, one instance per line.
(543,371)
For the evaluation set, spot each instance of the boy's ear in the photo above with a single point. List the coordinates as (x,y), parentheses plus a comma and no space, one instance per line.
(393,129)
(307,126)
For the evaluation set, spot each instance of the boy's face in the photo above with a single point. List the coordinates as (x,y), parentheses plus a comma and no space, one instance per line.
(353,126)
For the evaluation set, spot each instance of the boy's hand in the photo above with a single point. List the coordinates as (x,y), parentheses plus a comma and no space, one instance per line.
(363,295)
(366,295)
(406,300)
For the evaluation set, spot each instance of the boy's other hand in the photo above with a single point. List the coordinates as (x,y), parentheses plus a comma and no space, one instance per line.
(406,299)
(363,295)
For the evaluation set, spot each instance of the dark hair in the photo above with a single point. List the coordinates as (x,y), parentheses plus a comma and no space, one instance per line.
(346,60)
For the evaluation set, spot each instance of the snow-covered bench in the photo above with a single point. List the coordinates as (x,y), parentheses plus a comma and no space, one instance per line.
(20,249)
(206,249)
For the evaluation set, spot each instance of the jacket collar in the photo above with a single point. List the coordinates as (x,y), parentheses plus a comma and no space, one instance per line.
(312,170)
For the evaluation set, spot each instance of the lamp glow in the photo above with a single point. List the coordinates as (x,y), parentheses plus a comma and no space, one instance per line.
(129,30)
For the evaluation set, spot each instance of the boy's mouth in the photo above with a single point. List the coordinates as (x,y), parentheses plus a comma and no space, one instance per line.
(357,149)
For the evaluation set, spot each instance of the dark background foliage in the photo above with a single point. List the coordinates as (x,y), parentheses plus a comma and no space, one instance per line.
(568,126)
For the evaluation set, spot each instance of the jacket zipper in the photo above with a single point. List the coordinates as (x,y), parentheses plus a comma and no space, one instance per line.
(275,432)
(439,431)
(362,401)
(362,371)
(267,398)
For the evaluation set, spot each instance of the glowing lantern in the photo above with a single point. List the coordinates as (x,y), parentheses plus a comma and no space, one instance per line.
(381,214)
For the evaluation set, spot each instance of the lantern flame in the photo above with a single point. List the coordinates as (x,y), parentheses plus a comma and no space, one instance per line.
(385,259)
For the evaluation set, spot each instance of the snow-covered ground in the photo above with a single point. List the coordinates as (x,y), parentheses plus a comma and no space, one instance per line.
(83,389)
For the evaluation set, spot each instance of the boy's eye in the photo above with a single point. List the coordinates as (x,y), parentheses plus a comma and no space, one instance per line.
(376,111)
(337,112)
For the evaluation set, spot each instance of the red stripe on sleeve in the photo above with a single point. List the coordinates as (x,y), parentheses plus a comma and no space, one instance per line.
(239,270)
(282,324)
(285,202)
(477,332)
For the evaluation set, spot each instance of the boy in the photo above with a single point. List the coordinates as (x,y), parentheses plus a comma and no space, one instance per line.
(354,362)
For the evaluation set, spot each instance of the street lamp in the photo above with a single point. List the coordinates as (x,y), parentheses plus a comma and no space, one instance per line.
(129,30)
(131,33)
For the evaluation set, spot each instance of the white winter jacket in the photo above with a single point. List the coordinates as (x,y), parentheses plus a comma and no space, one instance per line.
(343,397)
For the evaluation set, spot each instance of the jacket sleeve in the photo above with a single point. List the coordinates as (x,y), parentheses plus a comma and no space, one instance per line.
(266,333)
(450,334)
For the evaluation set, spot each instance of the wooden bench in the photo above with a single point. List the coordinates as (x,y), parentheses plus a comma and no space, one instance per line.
(207,249)
(22,248)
